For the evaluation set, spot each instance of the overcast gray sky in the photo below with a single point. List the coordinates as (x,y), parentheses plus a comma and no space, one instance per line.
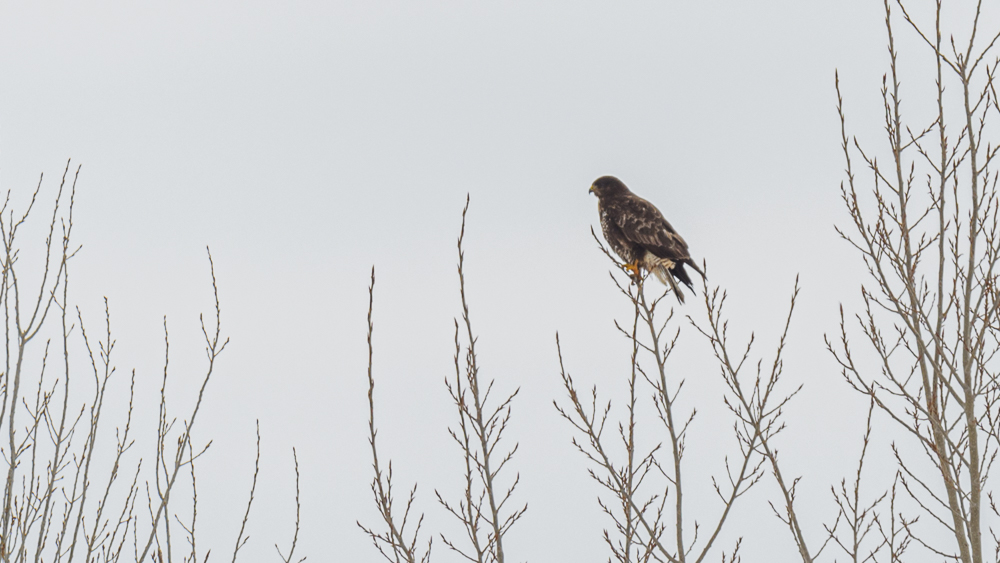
(305,142)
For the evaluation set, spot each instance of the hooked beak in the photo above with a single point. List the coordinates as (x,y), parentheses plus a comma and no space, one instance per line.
(591,190)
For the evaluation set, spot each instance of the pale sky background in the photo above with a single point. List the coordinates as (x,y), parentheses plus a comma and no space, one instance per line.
(304,142)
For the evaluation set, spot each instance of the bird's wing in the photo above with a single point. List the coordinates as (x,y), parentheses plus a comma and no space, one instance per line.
(641,222)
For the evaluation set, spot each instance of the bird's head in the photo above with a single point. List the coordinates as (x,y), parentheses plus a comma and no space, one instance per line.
(608,186)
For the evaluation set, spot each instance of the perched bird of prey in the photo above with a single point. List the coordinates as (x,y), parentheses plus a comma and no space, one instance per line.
(638,233)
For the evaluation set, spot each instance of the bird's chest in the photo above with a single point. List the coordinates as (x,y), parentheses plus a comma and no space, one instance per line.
(615,237)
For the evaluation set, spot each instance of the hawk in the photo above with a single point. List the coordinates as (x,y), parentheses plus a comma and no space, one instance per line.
(637,231)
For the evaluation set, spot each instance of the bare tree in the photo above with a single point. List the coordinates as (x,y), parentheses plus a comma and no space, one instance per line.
(930,239)
(645,528)
(395,543)
(67,494)
(482,509)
